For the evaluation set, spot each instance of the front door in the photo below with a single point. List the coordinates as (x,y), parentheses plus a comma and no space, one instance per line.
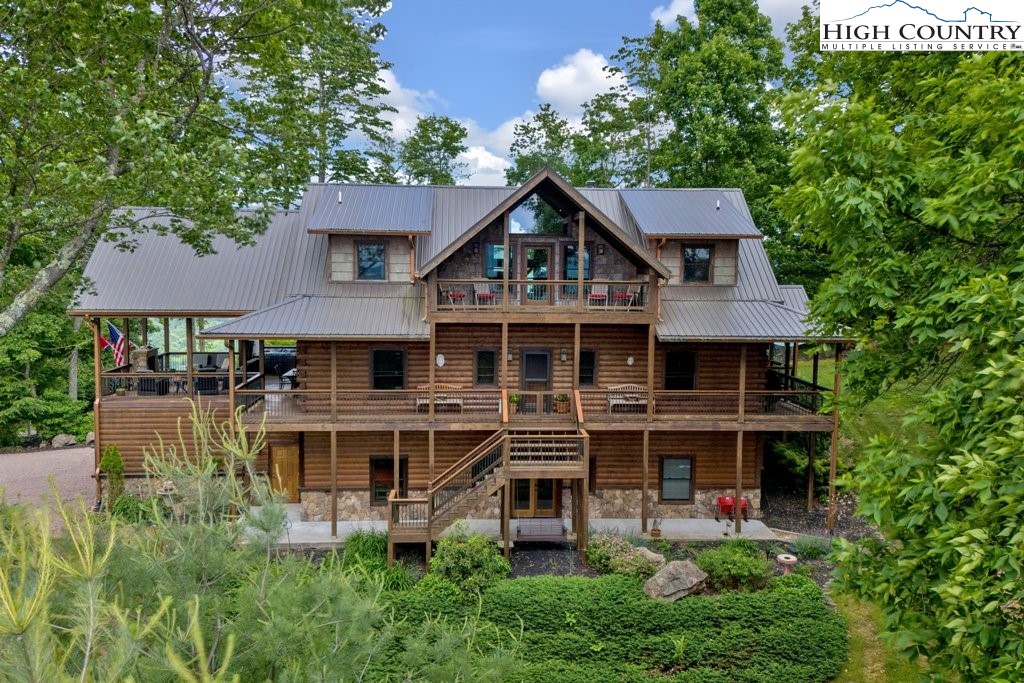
(284,465)
(536,378)
(535,498)
(537,264)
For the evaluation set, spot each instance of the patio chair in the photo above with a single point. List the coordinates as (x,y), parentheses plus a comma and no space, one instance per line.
(456,297)
(483,294)
(628,297)
(598,295)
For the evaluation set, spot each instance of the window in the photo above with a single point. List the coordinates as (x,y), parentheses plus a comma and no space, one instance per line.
(371,260)
(486,373)
(569,262)
(676,479)
(494,261)
(680,370)
(388,369)
(697,263)
(588,368)
(382,477)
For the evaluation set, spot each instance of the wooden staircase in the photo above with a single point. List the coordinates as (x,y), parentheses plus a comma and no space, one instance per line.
(481,473)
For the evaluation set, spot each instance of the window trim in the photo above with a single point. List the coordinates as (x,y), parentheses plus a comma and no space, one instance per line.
(661,479)
(476,365)
(588,247)
(355,261)
(696,368)
(506,261)
(405,366)
(403,466)
(595,382)
(711,263)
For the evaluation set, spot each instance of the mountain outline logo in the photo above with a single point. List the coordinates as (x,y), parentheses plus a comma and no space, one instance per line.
(949,13)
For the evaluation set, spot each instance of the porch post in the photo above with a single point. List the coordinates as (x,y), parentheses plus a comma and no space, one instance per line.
(334,381)
(814,370)
(189,341)
(334,482)
(579,263)
(167,342)
(835,442)
(506,505)
(507,262)
(504,357)
(811,447)
(741,418)
(430,453)
(796,356)
(231,382)
(263,361)
(97,369)
(127,339)
(145,332)
(584,523)
(431,373)
(576,356)
(644,481)
(396,463)
(651,331)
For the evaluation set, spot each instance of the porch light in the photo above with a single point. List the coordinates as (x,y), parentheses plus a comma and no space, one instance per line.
(563,355)
(508,356)
(600,249)
(630,361)
(476,248)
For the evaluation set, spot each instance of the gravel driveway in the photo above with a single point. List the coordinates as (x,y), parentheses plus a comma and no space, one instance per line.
(24,476)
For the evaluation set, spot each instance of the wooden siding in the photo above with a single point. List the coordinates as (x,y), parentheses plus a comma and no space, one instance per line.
(724,267)
(355,449)
(341,261)
(143,424)
(618,457)
(717,364)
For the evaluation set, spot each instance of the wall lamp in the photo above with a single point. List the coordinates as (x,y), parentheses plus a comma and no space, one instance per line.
(563,355)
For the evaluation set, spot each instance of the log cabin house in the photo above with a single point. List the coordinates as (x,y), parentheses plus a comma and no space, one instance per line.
(455,356)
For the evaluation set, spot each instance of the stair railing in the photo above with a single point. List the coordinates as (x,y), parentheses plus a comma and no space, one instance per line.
(465,475)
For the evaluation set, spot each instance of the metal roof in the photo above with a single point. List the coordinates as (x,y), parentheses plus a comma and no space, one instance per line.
(795,297)
(359,311)
(456,210)
(690,212)
(405,209)
(732,320)
(162,274)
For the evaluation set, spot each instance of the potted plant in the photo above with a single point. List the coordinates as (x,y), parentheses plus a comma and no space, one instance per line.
(513,403)
(561,403)
(119,390)
(655,528)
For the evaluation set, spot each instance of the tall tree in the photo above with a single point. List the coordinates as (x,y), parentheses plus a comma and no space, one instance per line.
(910,171)
(430,154)
(116,104)
(544,140)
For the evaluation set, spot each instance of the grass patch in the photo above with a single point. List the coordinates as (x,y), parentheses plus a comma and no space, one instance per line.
(869,659)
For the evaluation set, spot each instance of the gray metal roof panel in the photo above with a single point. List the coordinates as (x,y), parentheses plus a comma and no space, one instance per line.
(609,202)
(697,212)
(457,209)
(359,311)
(731,320)
(370,208)
(795,297)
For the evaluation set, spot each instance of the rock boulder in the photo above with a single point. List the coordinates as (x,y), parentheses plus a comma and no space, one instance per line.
(90,439)
(657,558)
(63,441)
(675,580)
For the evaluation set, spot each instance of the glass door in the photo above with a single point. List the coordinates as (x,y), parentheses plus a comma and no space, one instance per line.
(535,383)
(537,262)
(534,498)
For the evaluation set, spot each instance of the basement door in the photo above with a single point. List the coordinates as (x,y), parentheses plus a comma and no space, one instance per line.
(284,466)
(536,497)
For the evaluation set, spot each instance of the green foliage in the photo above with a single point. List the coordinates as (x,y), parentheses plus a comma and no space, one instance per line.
(611,554)
(909,167)
(735,565)
(812,547)
(112,465)
(473,562)
(128,508)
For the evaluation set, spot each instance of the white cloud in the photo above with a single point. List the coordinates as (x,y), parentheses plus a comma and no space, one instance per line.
(485,167)
(409,102)
(667,14)
(577,79)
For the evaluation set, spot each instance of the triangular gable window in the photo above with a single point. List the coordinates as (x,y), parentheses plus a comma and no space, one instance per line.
(536,217)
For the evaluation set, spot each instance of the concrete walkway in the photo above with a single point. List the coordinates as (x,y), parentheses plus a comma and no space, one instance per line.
(319,533)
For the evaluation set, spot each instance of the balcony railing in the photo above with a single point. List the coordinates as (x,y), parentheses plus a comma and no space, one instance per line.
(317,405)
(119,383)
(616,405)
(621,296)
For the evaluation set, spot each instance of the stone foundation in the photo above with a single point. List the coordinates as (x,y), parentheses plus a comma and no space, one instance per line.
(353,506)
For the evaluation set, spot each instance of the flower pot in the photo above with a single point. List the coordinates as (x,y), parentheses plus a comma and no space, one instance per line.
(513,408)
(656,533)
(119,391)
(561,407)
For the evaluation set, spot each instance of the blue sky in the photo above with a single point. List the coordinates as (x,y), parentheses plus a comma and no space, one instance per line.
(491,64)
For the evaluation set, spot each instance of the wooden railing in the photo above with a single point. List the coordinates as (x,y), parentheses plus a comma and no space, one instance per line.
(530,406)
(407,514)
(121,382)
(615,405)
(538,295)
(541,450)
(458,480)
(310,405)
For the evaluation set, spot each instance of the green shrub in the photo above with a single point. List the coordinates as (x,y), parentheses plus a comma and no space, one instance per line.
(112,465)
(473,562)
(430,598)
(735,565)
(130,509)
(812,547)
(367,548)
(611,554)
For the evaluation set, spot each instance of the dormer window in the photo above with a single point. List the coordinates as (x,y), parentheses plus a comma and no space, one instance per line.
(697,262)
(371,260)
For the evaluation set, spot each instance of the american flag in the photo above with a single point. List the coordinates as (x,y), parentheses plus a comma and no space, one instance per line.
(116,343)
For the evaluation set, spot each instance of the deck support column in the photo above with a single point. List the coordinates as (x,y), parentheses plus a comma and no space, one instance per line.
(334,381)
(833,447)
(651,333)
(580,261)
(430,453)
(506,262)
(506,507)
(145,333)
(431,371)
(583,530)
(231,383)
(396,462)
(262,351)
(576,356)
(504,357)
(812,445)
(189,342)
(334,483)
(741,418)
(167,343)
(644,482)
(97,369)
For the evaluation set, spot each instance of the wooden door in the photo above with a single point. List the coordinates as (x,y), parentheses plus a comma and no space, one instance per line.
(284,464)
(536,379)
(536,497)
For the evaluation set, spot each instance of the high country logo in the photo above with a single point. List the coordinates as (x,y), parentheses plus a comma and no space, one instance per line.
(922,25)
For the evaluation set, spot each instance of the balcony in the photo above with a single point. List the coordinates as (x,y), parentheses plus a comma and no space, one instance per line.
(543,296)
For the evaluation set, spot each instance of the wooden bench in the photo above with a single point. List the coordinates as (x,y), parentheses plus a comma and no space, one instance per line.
(627,398)
(442,402)
(551,529)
